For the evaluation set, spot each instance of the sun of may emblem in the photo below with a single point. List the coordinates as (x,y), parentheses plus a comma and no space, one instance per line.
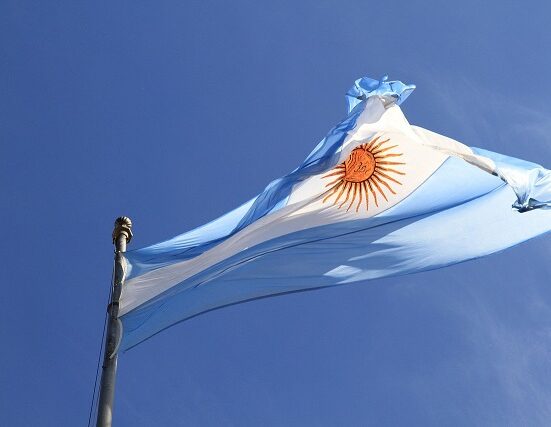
(369,169)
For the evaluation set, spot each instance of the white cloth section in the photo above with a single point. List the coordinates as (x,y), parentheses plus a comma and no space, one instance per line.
(305,207)
(452,147)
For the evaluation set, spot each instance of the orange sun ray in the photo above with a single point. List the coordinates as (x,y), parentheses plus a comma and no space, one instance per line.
(389,163)
(372,192)
(353,196)
(383,149)
(337,172)
(384,175)
(378,188)
(347,195)
(333,182)
(335,188)
(370,144)
(376,178)
(364,185)
(341,192)
(360,202)
(378,145)
(390,170)
(388,155)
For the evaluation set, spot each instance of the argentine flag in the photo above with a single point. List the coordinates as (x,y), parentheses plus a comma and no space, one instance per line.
(377,197)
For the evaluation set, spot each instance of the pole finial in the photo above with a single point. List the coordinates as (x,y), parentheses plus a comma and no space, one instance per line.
(123,225)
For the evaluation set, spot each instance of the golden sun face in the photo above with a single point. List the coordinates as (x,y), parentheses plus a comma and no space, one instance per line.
(369,169)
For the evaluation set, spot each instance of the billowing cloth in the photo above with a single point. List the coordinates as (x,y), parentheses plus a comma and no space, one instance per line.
(377,197)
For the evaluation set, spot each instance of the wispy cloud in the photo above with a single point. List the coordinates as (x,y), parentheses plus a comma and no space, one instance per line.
(493,119)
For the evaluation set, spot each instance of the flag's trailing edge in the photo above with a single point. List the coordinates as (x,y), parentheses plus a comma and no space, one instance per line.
(377,197)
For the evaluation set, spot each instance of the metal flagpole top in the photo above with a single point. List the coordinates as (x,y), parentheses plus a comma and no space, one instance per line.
(122,234)
(123,225)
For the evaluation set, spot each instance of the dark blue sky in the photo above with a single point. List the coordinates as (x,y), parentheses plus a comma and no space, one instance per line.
(175,112)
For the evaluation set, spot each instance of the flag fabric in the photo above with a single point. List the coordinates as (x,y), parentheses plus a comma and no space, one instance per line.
(377,197)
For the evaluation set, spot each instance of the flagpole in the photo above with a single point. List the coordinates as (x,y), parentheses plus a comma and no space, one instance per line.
(122,233)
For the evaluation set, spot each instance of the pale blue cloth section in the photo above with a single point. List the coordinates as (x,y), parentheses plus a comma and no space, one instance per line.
(390,91)
(530,181)
(459,213)
(187,245)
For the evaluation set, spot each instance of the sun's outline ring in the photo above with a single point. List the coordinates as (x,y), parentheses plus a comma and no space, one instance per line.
(367,170)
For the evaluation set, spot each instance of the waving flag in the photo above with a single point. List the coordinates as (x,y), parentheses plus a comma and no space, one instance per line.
(377,197)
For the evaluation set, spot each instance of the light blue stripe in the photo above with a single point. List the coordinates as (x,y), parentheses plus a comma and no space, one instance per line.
(530,181)
(391,91)
(185,246)
(458,214)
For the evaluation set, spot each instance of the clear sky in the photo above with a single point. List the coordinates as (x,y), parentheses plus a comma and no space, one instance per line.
(174,112)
